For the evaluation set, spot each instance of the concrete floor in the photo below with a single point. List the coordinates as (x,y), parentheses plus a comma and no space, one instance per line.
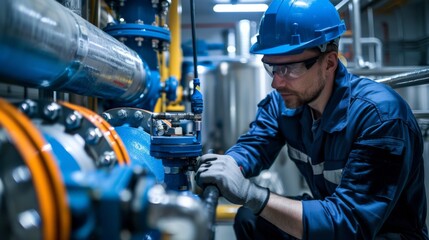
(224,232)
(223,228)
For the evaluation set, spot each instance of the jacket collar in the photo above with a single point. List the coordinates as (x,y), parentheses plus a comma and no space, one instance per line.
(335,115)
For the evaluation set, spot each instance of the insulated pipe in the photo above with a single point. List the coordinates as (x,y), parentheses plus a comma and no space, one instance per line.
(45,45)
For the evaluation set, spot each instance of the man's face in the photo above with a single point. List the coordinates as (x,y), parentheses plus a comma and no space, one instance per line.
(298,78)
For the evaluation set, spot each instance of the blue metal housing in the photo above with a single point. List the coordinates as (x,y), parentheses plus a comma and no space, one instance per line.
(137,143)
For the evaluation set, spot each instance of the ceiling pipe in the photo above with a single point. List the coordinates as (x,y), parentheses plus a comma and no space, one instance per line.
(341,4)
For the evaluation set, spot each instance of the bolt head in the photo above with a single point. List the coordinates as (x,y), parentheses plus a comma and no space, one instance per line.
(93,136)
(51,111)
(107,158)
(73,121)
(122,114)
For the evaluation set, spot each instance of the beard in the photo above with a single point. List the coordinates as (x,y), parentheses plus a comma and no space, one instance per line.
(296,99)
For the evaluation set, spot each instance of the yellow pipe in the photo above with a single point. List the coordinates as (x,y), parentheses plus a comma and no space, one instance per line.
(176,55)
(158,105)
(175,48)
(226,212)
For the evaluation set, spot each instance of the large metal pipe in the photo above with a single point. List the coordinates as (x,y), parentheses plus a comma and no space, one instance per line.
(384,72)
(407,79)
(47,46)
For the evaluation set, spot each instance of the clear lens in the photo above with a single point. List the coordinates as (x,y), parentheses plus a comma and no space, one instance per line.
(290,70)
(294,70)
(269,69)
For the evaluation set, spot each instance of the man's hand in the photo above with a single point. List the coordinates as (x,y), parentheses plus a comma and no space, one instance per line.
(223,171)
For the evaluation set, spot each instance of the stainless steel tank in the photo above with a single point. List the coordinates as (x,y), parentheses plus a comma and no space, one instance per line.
(232,88)
(232,91)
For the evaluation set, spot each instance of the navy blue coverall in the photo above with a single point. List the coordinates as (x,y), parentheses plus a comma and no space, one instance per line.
(363,159)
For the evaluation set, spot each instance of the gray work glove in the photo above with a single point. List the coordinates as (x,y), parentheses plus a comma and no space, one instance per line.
(223,171)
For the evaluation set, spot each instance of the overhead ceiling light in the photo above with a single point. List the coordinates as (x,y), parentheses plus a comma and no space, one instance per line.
(240,7)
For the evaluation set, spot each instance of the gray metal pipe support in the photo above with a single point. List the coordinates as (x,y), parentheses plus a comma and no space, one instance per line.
(45,45)
(371,41)
(357,33)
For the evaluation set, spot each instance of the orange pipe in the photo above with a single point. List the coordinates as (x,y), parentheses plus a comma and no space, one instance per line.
(37,155)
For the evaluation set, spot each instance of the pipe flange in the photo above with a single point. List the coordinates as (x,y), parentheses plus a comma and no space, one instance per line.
(134,117)
(86,136)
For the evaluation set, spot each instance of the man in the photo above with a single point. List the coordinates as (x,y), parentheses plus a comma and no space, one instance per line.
(355,141)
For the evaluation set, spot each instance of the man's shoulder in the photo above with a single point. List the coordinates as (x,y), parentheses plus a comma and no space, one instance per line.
(367,93)
(367,88)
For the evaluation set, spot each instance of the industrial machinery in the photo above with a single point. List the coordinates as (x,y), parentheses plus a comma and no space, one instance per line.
(119,170)
(90,147)
(67,174)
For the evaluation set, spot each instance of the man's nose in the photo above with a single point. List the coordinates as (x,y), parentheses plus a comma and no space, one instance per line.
(276,82)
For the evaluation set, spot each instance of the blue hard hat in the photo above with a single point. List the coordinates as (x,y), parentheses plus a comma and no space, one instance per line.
(291,26)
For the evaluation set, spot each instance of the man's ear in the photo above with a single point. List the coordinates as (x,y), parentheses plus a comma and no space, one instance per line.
(331,61)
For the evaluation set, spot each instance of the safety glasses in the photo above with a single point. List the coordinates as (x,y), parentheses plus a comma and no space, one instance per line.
(292,69)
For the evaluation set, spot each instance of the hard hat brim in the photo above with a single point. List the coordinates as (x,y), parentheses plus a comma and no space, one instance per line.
(278,50)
